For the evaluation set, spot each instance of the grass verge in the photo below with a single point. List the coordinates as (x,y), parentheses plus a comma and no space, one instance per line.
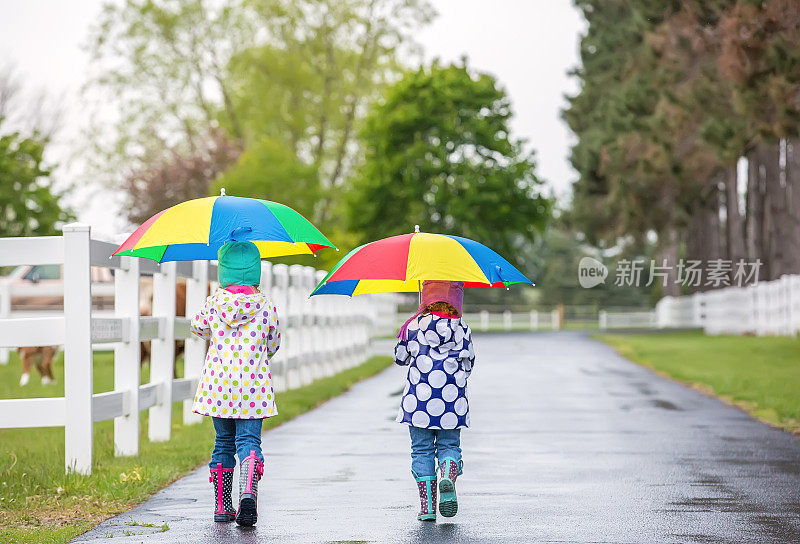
(759,375)
(41,504)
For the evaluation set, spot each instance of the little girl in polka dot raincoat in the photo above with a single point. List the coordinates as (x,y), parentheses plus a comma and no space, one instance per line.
(436,345)
(235,389)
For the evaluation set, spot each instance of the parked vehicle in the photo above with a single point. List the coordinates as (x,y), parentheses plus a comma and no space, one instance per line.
(41,287)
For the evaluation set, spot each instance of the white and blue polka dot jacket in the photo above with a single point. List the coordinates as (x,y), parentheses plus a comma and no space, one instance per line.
(440,357)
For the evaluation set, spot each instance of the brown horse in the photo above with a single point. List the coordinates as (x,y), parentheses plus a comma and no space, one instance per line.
(42,357)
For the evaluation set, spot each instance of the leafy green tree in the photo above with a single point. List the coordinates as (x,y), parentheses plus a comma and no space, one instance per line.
(305,90)
(28,204)
(439,154)
(273,74)
(270,170)
(163,64)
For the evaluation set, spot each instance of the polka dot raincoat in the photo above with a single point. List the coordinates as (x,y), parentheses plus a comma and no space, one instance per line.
(440,357)
(242,331)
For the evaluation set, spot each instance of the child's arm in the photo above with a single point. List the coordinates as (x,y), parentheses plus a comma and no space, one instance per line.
(274,336)
(199,325)
(401,355)
(467,355)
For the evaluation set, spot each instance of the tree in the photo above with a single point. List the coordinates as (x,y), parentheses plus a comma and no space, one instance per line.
(29,206)
(673,95)
(629,185)
(162,66)
(271,171)
(304,90)
(165,180)
(270,73)
(759,59)
(439,154)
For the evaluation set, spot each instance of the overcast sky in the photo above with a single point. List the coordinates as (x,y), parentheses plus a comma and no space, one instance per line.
(529,45)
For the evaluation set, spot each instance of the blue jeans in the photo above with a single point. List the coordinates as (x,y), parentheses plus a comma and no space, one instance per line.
(238,436)
(427,445)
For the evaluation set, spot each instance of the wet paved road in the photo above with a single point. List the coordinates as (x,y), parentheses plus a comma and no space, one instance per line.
(569,443)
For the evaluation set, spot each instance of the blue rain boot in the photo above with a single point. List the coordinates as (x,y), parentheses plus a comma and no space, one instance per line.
(426,486)
(448,472)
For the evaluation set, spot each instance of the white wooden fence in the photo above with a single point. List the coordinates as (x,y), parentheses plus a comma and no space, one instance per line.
(769,308)
(512,321)
(628,319)
(320,336)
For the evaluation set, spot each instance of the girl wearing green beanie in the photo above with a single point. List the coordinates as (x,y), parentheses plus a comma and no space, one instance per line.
(235,388)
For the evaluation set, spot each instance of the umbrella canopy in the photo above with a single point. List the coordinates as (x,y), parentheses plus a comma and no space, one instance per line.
(196,229)
(399,265)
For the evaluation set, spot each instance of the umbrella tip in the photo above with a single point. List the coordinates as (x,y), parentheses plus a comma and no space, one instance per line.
(222,192)
(416,228)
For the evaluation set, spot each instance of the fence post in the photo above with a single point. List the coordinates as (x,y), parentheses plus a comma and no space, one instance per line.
(484,320)
(324,327)
(266,279)
(5,311)
(338,325)
(602,318)
(162,354)
(127,356)
(280,295)
(77,349)
(554,320)
(534,320)
(194,353)
(363,321)
(507,320)
(296,376)
(313,340)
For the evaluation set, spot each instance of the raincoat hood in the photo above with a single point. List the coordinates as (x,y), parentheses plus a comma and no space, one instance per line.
(236,309)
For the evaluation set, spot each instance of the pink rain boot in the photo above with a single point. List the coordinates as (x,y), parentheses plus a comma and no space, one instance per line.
(222,492)
(249,474)
(426,485)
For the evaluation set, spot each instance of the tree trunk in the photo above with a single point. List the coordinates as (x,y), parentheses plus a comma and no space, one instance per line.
(703,238)
(669,252)
(734,223)
(775,209)
(793,189)
(754,221)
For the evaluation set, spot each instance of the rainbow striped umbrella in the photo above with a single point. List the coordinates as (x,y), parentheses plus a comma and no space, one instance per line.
(401,263)
(196,229)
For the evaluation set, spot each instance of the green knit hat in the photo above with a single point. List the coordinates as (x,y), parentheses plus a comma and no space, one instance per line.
(239,264)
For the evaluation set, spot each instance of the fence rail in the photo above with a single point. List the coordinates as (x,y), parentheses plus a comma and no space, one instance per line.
(321,336)
(626,319)
(513,321)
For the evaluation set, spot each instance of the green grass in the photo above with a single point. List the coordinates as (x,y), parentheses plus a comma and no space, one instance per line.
(760,375)
(41,504)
